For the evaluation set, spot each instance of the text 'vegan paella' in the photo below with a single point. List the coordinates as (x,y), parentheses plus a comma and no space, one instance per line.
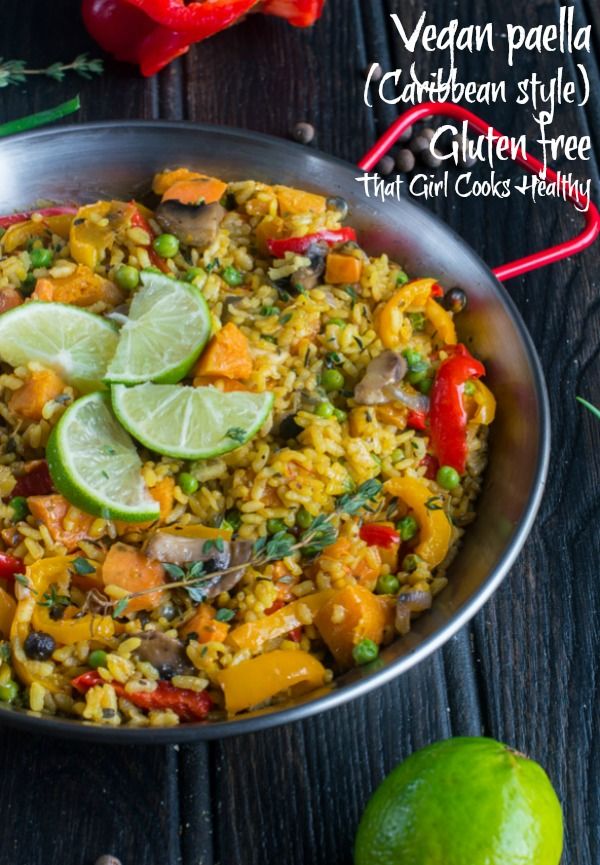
(236,453)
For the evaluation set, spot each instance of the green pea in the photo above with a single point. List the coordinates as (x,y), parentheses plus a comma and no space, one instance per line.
(412,357)
(401,278)
(425,386)
(9,691)
(387,584)
(397,455)
(339,322)
(232,276)
(274,526)
(332,379)
(187,483)
(408,528)
(20,508)
(469,388)
(41,258)
(127,277)
(97,658)
(234,518)
(166,245)
(324,409)
(416,376)
(303,518)
(447,477)
(417,319)
(340,415)
(365,651)
(410,563)
(195,273)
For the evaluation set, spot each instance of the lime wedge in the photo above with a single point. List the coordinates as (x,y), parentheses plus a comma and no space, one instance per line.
(167,328)
(95,465)
(75,343)
(190,422)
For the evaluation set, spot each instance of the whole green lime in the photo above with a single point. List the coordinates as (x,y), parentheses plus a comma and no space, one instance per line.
(463,801)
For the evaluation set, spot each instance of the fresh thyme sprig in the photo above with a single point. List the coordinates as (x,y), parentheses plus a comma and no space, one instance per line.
(321,533)
(588,405)
(17,72)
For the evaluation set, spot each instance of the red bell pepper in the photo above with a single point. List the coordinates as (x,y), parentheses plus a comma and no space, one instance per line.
(188,705)
(35,482)
(437,290)
(14,218)
(447,415)
(278,246)
(431,466)
(138,220)
(300,13)
(377,535)
(416,419)
(9,566)
(295,635)
(152,33)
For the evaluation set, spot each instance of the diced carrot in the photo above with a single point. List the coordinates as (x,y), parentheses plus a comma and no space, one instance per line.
(40,387)
(205,626)
(267,228)
(163,493)
(83,287)
(227,355)
(342,269)
(67,524)
(9,298)
(352,614)
(164,179)
(225,384)
(293,201)
(129,569)
(198,190)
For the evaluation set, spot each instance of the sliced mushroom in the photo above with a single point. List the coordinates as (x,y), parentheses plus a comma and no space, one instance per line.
(383,373)
(180,550)
(193,224)
(166,654)
(307,277)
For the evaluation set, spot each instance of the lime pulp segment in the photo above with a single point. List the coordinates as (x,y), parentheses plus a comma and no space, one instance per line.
(95,464)
(167,328)
(190,422)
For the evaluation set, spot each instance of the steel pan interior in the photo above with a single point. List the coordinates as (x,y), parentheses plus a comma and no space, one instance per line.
(82,163)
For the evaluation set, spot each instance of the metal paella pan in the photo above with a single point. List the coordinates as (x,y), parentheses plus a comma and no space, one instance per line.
(112,160)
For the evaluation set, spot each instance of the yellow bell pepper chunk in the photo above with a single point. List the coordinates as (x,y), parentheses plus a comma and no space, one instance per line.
(411,297)
(252,682)
(29,671)
(486,404)
(196,530)
(441,321)
(293,201)
(22,233)
(8,606)
(252,635)
(88,240)
(67,630)
(435,531)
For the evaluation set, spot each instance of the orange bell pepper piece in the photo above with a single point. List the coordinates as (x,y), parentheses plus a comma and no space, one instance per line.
(350,615)
(435,531)
(252,682)
(389,319)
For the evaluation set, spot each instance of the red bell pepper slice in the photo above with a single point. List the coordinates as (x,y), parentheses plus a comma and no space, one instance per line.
(416,419)
(198,19)
(278,246)
(431,466)
(437,290)
(9,566)
(447,415)
(300,13)
(138,220)
(188,705)
(14,218)
(377,535)
(36,482)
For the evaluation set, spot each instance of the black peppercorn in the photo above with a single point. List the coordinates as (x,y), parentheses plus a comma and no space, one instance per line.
(455,300)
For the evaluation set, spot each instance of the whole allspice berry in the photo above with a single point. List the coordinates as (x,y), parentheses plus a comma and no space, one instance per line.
(464,157)
(303,132)
(406,135)
(405,160)
(418,143)
(386,165)
(431,158)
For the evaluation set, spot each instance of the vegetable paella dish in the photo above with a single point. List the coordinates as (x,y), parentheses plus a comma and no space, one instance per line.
(237,454)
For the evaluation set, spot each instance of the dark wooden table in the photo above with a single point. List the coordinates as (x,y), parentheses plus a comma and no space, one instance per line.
(526,669)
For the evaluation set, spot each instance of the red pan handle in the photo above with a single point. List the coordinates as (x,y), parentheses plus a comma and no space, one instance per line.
(522,265)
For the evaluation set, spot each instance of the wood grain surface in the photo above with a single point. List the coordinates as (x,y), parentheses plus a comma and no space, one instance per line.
(526,670)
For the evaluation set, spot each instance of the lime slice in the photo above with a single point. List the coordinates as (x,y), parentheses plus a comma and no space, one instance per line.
(190,422)
(95,465)
(75,343)
(167,328)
